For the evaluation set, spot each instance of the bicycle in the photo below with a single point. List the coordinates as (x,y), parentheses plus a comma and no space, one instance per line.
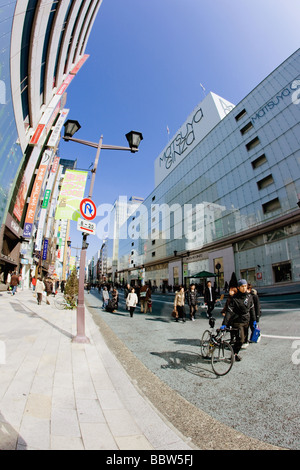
(62,303)
(218,349)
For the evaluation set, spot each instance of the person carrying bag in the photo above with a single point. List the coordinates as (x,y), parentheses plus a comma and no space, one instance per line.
(179,305)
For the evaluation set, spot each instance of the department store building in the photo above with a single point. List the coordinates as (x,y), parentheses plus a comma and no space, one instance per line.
(227,190)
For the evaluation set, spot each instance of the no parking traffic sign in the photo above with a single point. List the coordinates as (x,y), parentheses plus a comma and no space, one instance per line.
(88,209)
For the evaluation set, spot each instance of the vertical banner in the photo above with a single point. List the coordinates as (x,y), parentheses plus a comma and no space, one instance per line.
(45,249)
(35,194)
(43,211)
(71,194)
(22,193)
(55,135)
(39,233)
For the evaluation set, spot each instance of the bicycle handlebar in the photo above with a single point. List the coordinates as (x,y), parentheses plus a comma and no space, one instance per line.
(226,329)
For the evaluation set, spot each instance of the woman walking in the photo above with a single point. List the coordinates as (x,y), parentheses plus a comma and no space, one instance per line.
(179,304)
(132,301)
(40,287)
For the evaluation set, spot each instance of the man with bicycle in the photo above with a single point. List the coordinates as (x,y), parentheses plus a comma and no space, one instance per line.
(238,314)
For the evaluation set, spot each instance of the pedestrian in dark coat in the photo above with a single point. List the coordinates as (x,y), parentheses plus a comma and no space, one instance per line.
(239,312)
(257,312)
(14,282)
(192,298)
(48,287)
(210,298)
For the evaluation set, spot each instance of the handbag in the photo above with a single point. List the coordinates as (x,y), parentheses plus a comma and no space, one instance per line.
(255,336)
(174,313)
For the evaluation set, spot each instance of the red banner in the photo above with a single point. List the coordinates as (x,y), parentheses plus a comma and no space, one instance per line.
(35,194)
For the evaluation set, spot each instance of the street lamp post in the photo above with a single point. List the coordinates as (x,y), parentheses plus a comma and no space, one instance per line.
(218,267)
(134,138)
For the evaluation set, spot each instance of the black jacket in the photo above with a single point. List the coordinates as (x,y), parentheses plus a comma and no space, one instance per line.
(257,308)
(240,309)
(207,296)
(192,297)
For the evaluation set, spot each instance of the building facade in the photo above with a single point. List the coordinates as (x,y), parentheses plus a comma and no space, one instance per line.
(42,49)
(228,197)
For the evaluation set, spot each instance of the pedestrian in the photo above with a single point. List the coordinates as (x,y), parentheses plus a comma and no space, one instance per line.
(40,287)
(132,301)
(62,286)
(192,298)
(126,292)
(145,295)
(105,297)
(33,283)
(257,310)
(115,298)
(231,293)
(179,304)
(14,282)
(53,287)
(239,312)
(210,297)
(8,279)
(48,288)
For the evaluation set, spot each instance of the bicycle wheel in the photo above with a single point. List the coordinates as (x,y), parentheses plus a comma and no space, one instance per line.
(222,358)
(60,303)
(205,344)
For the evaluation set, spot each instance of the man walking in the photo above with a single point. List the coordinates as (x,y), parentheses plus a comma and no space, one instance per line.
(145,295)
(210,297)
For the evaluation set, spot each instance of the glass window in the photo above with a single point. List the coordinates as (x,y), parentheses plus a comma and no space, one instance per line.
(246,128)
(253,143)
(271,206)
(240,115)
(282,272)
(259,161)
(263,183)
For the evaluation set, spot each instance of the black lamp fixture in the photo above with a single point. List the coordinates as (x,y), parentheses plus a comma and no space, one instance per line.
(134,139)
(71,127)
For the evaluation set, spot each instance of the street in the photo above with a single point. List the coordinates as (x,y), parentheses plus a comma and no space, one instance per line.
(260,395)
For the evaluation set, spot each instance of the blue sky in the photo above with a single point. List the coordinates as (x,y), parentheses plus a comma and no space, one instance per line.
(147,60)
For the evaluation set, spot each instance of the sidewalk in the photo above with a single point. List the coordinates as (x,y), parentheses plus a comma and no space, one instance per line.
(59,395)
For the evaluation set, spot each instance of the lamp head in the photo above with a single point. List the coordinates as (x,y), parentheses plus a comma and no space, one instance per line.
(134,139)
(70,128)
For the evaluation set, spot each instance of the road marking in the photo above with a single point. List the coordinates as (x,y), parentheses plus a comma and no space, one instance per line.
(277,300)
(278,309)
(280,337)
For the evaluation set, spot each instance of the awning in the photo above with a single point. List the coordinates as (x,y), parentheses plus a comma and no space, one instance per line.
(202,274)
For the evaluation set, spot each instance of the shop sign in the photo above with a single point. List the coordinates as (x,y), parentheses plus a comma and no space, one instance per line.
(46,198)
(45,249)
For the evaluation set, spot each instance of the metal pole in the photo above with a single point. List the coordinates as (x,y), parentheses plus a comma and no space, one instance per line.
(81,336)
